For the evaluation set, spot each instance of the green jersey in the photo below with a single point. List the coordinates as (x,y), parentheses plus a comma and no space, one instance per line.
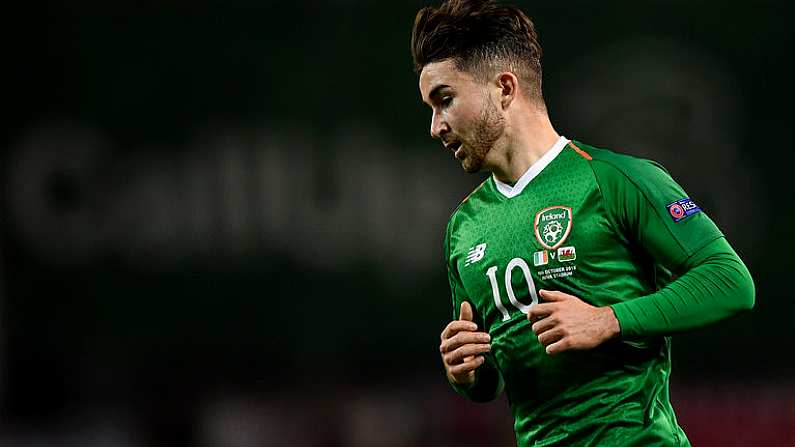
(613,230)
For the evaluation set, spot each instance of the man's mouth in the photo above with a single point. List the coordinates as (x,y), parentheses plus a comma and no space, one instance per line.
(457,148)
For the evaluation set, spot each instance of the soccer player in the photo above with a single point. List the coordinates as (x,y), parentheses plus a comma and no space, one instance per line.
(570,266)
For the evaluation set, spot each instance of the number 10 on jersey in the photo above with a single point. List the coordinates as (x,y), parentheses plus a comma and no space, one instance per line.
(491,273)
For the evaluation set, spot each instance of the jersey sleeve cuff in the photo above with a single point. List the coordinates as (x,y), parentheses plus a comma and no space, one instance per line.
(487,386)
(463,389)
(627,319)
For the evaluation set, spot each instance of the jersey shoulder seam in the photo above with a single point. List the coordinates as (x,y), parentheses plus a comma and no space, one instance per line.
(643,193)
(602,199)
(468,196)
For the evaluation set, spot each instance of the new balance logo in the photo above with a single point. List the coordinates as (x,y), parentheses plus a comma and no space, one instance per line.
(475,254)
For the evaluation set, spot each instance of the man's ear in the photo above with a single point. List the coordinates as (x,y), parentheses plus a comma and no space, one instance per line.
(508,84)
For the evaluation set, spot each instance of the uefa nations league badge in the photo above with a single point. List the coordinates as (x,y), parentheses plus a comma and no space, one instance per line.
(682,208)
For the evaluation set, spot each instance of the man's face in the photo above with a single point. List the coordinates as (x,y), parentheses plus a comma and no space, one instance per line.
(464,117)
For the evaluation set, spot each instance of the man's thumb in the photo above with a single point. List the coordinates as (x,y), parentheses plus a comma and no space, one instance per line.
(466,312)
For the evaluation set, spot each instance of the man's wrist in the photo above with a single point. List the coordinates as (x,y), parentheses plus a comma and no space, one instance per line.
(611,323)
(463,383)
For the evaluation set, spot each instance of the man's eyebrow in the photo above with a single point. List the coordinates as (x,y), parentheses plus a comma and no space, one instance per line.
(435,91)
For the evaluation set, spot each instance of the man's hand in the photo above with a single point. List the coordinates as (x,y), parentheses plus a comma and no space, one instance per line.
(565,322)
(463,347)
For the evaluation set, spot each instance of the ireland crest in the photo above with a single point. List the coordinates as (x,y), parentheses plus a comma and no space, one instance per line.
(552,226)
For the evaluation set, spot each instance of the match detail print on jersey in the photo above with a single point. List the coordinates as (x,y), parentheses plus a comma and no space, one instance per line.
(552,226)
(682,208)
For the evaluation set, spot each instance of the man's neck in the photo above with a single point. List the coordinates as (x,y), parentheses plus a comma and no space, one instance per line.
(528,142)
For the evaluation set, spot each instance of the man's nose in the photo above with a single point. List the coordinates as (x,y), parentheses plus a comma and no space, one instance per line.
(438,126)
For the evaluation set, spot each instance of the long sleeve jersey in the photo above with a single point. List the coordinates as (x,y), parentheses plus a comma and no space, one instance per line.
(613,230)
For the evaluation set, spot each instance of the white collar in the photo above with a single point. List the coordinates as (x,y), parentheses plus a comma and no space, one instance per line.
(534,169)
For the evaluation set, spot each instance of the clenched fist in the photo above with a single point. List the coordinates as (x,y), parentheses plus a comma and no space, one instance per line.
(462,347)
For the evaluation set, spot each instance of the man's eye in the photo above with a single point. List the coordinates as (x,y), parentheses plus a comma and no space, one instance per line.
(446,100)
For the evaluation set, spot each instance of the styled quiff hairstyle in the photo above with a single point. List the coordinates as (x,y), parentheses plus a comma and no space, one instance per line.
(482,38)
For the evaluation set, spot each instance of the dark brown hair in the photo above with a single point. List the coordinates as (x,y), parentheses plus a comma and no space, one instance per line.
(482,37)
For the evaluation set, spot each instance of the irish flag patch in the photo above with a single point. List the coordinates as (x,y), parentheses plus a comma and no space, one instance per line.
(540,258)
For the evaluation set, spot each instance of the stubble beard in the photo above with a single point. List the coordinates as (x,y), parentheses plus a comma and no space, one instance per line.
(486,131)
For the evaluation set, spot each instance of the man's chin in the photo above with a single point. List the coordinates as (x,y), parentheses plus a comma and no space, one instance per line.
(474,161)
(470,166)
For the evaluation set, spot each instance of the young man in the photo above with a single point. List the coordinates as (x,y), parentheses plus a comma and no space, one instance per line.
(570,265)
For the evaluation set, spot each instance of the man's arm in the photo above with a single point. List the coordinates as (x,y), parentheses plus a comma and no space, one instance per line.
(715,285)
(654,214)
(713,282)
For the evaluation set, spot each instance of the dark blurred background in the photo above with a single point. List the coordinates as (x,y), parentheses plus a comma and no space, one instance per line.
(221,223)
